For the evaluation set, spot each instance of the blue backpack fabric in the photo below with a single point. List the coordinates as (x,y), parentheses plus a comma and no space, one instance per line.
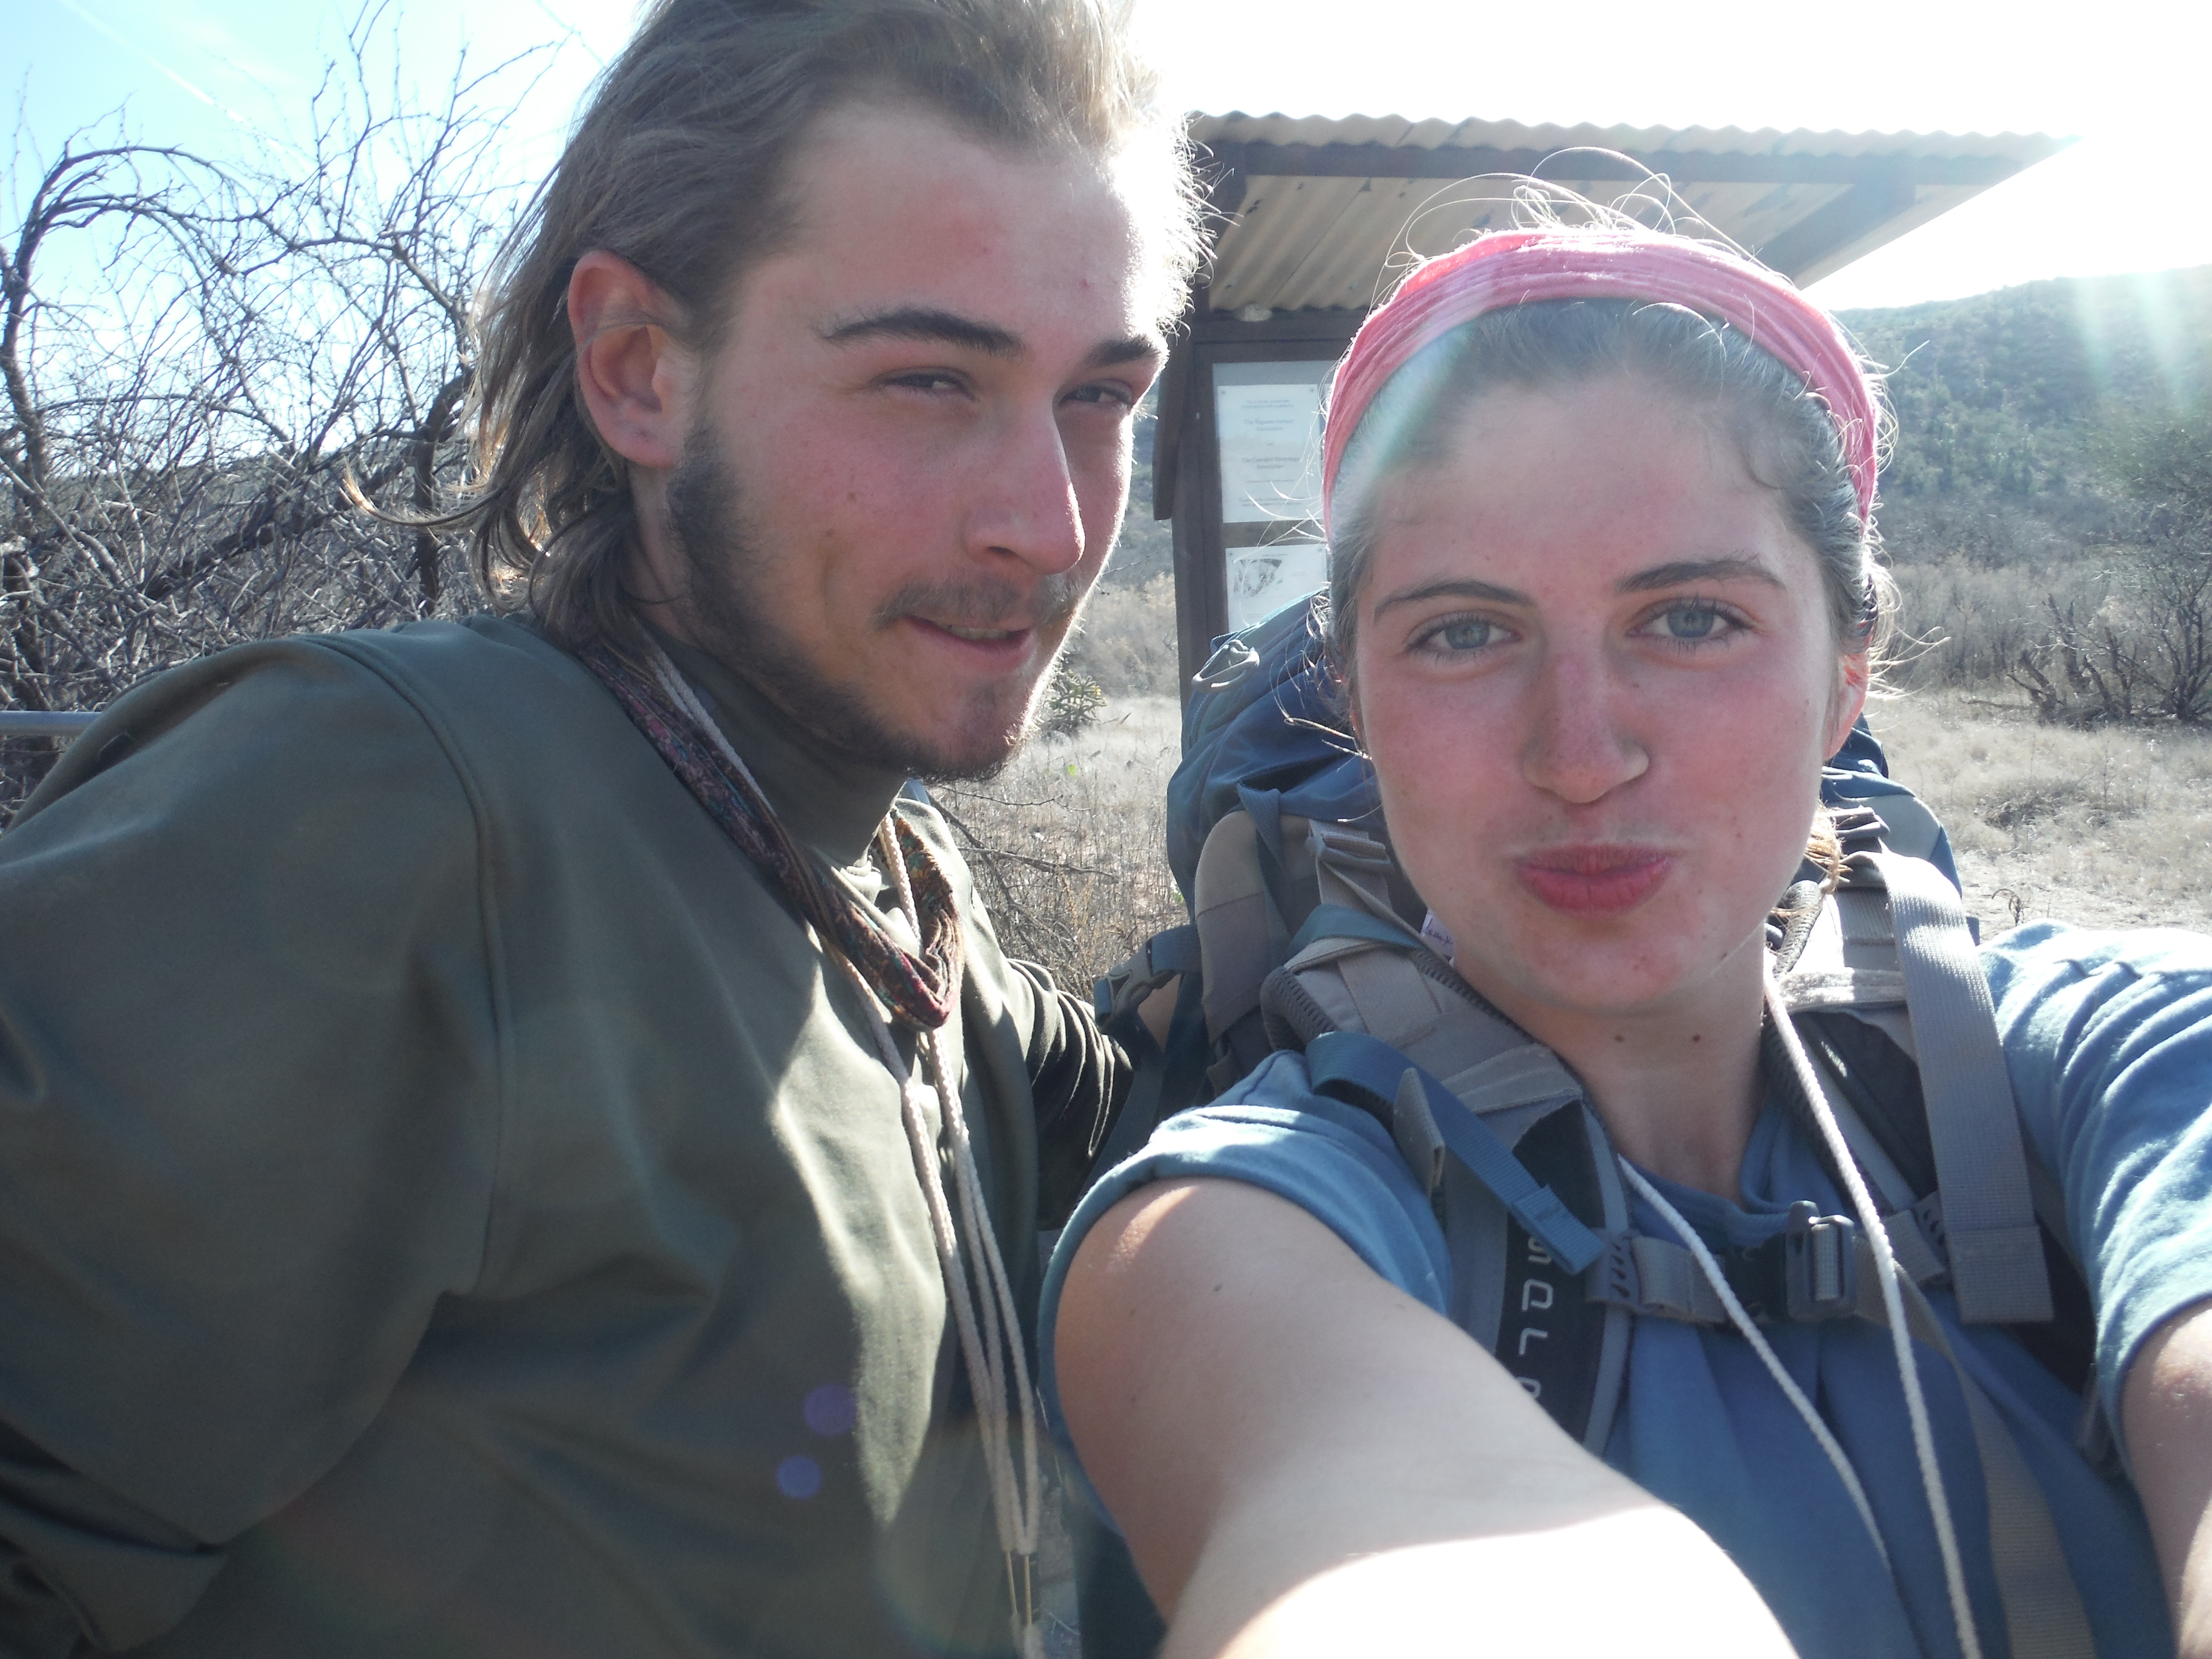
(1263,733)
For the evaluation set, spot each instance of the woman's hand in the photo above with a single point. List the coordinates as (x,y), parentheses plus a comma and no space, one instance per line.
(2165,1417)
(1305,1461)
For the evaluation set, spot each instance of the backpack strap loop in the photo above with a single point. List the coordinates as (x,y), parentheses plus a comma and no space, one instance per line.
(1656,1278)
(1357,1070)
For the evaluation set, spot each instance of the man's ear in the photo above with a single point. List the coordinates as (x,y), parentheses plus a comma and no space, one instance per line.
(637,381)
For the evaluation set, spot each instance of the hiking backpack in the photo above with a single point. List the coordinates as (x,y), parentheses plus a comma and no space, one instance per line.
(1305,934)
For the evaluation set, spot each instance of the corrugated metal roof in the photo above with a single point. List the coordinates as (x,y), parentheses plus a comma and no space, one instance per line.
(1400,132)
(1314,228)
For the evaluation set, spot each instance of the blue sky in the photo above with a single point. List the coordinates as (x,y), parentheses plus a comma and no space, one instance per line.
(2125,77)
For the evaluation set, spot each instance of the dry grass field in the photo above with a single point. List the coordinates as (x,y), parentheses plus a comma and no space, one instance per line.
(2110,827)
(2107,826)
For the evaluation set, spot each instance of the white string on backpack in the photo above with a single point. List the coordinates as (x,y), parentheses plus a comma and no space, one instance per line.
(1743,1322)
(1016,1507)
(1893,1302)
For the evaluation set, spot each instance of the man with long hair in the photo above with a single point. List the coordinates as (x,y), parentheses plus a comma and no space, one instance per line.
(519,1138)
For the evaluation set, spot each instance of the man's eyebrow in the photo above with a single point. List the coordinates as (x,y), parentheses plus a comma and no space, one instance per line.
(928,324)
(1464,587)
(1733,569)
(1137,349)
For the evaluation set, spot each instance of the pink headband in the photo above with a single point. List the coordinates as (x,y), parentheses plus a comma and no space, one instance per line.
(1515,268)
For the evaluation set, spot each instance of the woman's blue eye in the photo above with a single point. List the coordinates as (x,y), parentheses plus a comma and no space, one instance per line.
(1468,634)
(1690,621)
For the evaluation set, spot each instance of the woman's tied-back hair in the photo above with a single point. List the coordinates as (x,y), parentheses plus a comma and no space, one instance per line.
(678,167)
(1808,428)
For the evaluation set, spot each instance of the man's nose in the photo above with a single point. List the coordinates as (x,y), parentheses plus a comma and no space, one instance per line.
(1583,741)
(1026,505)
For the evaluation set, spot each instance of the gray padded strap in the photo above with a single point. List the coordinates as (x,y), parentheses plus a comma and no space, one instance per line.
(1394,1001)
(2044,1615)
(1358,985)
(1981,1166)
(1520,1077)
(1908,827)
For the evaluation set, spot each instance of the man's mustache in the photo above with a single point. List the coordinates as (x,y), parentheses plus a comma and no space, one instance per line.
(987,603)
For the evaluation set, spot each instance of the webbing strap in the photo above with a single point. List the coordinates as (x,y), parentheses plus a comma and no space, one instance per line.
(1908,1243)
(1351,868)
(1354,1067)
(1988,1211)
(2044,1615)
(1174,951)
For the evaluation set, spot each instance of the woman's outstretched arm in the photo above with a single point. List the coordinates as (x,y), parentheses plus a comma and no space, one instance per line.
(2166,1413)
(1305,1461)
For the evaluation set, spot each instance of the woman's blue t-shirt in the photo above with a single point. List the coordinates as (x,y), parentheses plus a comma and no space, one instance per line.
(2108,1038)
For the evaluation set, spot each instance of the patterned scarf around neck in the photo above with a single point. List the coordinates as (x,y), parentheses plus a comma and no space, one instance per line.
(918,991)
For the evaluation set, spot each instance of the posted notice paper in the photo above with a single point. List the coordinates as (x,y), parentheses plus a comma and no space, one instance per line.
(1270,451)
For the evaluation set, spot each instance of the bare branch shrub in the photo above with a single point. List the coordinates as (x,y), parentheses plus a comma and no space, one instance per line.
(206,366)
(2165,463)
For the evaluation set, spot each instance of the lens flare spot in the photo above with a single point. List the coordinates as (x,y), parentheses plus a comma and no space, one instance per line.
(799,1476)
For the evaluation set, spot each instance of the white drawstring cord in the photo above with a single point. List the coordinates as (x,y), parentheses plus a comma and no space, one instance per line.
(992,1267)
(1893,1302)
(1743,1322)
(981,1342)
(1015,1511)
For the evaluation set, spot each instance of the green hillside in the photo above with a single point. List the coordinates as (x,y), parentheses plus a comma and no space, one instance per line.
(2006,393)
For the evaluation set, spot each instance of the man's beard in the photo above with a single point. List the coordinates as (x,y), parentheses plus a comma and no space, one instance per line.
(723,609)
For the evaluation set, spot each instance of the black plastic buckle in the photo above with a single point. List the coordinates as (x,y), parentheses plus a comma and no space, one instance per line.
(1806,1274)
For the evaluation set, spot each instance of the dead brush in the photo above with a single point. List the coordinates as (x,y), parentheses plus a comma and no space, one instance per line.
(1068,843)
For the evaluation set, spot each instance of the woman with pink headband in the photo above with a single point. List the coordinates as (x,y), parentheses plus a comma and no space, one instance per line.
(1604,597)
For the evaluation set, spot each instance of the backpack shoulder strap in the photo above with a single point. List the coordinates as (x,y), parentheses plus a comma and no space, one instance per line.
(1973,1123)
